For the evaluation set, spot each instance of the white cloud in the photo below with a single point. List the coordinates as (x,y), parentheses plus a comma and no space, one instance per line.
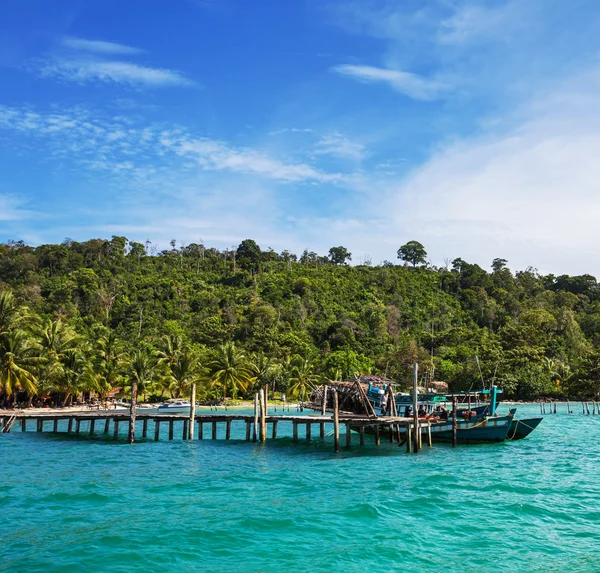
(340,146)
(529,194)
(12,208)
(409,84)
(99,46)
(90,70)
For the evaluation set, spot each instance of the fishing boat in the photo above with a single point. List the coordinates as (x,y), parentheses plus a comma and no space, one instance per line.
(175,406)
(520,429)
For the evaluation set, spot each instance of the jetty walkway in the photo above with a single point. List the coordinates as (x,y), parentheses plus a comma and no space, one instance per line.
(256,427)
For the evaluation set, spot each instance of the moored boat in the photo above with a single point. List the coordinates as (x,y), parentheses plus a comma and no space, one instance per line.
(520,429)
(175,406)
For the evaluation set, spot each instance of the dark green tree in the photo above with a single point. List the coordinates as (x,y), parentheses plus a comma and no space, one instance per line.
(413,252)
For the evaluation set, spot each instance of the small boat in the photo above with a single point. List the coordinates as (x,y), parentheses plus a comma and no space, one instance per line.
(520,429)
(175,406)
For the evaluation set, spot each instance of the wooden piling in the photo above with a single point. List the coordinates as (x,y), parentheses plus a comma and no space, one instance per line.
(295,431)
(248,429)
(132,413)
(185,431)
(228,430)
(568,407)
(192,411)
(453,421)
(429,438)
(555,407)
(377,436)
(92,425)
(263,415)
(77,426)
(324,402)
(416,432)
(70,426)
(308,429)
(200,429)
(106,425)
(362,435)
(24,425)
(214,431)
(322,430)
(171,423)
(55,428)
(255,427)
(40,425)
(409,440)
(587,408)
(336,422)
(145,428)
(348,436)
(274,425)
(116,430)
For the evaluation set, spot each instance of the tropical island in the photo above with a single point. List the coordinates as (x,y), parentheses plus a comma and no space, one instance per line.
(94,316)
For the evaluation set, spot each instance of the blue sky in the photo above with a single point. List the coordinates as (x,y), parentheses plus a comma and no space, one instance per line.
(472,126)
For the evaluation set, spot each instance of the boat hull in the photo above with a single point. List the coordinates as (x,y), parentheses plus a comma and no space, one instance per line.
(174,410)
(520,429)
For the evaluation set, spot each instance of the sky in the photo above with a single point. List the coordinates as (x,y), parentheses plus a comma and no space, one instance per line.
(472,126)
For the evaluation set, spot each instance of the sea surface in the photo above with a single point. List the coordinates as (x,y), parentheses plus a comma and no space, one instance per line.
(70,504)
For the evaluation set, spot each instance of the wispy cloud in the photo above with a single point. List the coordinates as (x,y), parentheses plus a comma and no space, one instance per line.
(93,62)
(409,84)
(89,70)
(99,46)
(339,145)
(13,208)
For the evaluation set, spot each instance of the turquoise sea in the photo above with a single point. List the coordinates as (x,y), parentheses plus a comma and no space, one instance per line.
(93,504)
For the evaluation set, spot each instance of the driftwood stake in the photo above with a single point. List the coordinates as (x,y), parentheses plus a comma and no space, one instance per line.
(192,411)
(255,427)
(131,435)
(336,423)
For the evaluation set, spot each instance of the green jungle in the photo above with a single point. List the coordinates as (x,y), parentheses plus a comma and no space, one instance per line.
(97,315)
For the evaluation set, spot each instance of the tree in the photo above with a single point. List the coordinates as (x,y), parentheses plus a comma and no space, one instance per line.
(339,255)
(413,252)
(142,368)
(303,379)
(18,358)
(184,372)
(248,255)
(230,369)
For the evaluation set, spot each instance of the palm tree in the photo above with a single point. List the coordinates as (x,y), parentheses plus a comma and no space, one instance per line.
(9,311)
(184,372)
(303,378)
(110,360)
(264,369)
(77,375)
(169,348)
(18,358)
(229,368)
(142,368)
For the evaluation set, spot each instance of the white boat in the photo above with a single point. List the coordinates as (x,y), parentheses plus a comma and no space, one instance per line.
(175,406)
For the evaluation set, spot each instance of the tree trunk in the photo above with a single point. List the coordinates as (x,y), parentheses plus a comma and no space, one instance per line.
(132,413)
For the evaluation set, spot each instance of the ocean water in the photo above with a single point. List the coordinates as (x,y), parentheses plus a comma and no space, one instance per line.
(93,504)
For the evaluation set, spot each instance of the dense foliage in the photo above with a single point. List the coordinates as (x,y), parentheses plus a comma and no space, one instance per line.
(100,314)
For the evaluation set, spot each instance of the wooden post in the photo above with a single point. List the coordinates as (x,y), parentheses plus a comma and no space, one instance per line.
(171,423)
(214,431)
(295,431)
(255,427)
(555,407)
(377,437)
(145,428)
(200,429)
(336,423)
(192,411)
(322,430)
(228,430)
(156,429)
(275,429)
(77,426)
(587,408)
(186,431)
(362,435)
(55,429)
(24,425)
(116,430)
(106,425)
(132,414)
(92,424)
(429,439)
(408,439)
(70,426)
(38,425)
(348,436)
(263,415)
(308,428)
(416,406)
(568,407)
(541,410)
(266,390)
(453,421)
(248,428)
(324,402)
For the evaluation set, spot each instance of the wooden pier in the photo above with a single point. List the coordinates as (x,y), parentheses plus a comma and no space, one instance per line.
(207,426)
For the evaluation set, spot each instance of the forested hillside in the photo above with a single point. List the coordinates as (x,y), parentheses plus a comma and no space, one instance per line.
(96,314)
